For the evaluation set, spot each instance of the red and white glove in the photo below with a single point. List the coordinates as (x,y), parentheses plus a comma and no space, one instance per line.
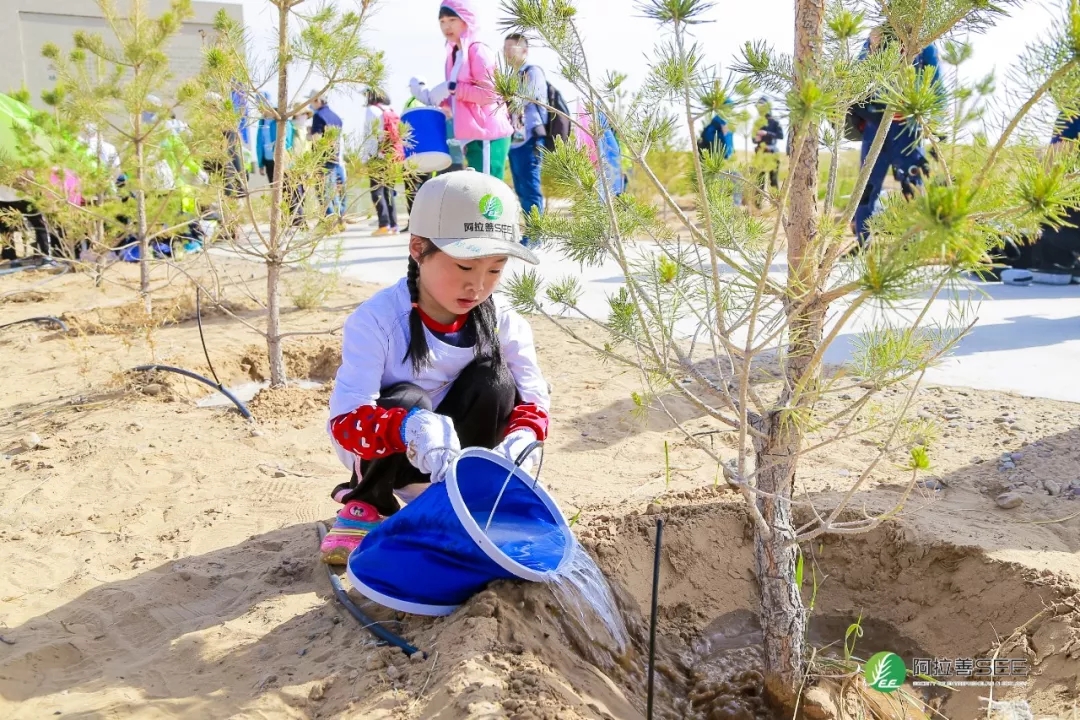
(431,442)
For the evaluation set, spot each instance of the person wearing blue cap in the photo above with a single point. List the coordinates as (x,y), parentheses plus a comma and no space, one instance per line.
(717,137)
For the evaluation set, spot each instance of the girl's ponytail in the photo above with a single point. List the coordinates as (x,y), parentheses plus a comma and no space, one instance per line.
(418,347)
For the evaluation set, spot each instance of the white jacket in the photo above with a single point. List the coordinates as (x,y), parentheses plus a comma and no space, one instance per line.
(373,133)
(376,337)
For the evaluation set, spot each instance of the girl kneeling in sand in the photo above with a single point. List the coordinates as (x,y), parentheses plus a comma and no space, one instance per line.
(435,363)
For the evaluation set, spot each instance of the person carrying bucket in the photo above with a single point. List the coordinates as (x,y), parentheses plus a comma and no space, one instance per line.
(413,180)
(481,121)
(435,363)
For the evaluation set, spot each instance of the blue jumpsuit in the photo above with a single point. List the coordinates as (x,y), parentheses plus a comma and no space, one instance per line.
(715,136)
(1065,128)
(901,151)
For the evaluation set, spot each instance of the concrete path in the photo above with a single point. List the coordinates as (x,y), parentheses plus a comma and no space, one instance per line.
(1027,339)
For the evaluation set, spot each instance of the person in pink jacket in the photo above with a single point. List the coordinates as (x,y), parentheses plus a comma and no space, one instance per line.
(481,120)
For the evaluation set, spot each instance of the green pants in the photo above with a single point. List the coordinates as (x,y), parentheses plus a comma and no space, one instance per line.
(498,150)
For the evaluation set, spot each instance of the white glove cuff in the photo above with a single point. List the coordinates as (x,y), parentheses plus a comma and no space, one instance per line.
(517,442)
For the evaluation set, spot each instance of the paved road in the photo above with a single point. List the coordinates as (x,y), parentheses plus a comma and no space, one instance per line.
(1027,339)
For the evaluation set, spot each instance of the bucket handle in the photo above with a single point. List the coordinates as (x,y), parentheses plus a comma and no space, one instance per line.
(517,464)
(521,458)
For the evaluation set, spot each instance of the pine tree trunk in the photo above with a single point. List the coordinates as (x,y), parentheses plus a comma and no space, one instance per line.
(138,141)
(142,229)
(275,251)
(98,246)
(276,184)
(783,617)
(273,324)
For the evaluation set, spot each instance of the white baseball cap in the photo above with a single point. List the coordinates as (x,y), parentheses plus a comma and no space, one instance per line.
(469,215)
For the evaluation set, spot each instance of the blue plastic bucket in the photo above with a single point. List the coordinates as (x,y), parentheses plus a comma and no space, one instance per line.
(434,554)
(132,254)
(426,150)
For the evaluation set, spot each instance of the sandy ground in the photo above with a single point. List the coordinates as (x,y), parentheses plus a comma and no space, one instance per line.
(159,557)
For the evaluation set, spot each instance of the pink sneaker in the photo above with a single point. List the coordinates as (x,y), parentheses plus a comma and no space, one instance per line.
(353,523)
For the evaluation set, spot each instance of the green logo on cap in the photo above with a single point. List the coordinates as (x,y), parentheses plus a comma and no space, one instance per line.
(491,207)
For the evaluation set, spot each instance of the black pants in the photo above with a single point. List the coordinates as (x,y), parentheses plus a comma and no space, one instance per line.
(412,184)
(479,402)
(232,172)
(770,178)
(1057,247)
(383,199)
(47,242)
(268,165)
(295,190)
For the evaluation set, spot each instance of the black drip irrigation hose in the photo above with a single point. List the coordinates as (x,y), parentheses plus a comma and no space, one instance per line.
(652,619)
(366,622)
(202,338)
(49,318)
(15,266)
(205,381)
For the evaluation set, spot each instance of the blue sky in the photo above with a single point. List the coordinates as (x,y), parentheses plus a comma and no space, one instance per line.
(408,31)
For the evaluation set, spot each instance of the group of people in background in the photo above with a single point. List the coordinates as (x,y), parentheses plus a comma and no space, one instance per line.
(718,138)
(484,135)
(314,121)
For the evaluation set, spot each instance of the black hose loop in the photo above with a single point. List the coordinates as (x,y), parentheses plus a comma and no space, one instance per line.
(205,381)
(44,319)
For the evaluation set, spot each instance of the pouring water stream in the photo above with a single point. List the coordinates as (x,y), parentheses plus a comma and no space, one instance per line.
(578,584)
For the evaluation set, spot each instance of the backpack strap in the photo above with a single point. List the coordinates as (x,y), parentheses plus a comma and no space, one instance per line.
(526,68)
